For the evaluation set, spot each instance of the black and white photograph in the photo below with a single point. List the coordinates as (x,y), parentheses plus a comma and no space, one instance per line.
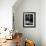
(29,19)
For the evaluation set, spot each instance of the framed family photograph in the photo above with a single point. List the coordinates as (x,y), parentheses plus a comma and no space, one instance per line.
(29,19)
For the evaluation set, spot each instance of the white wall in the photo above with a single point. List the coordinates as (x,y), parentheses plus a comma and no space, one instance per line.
(43,22)
(35,34)
(6,13)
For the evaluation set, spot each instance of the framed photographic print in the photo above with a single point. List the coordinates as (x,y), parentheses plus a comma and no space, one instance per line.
(29,19)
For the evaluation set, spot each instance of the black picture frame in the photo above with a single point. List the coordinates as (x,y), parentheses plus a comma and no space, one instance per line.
(29,19)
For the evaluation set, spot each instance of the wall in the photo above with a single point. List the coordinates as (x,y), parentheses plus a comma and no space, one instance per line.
(6,13)
(43,22)
(35,34)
